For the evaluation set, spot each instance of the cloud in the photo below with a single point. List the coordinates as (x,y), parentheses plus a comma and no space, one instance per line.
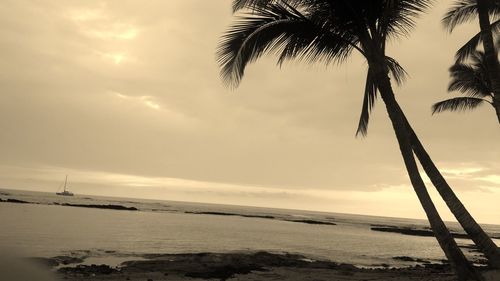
(146,100)
(472,176)
(128,90)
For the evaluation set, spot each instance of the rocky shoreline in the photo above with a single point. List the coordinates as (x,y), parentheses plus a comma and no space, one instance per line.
(94,206)
(234,266)
(415,232)
(238,266)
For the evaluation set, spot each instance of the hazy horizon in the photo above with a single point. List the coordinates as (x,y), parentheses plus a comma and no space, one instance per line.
(126,99)
(422,220)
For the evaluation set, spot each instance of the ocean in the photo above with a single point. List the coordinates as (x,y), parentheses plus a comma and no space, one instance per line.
(48,228)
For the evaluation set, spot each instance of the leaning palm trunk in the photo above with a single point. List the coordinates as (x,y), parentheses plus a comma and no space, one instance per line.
(490,52)
(471,227)
(460,264)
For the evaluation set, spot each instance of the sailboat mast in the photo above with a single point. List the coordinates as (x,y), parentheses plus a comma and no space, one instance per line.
(65,181)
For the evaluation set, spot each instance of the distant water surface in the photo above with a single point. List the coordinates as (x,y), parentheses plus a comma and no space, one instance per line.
(47,230)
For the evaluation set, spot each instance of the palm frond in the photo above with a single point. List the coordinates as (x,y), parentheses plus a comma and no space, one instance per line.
(370,95)
(240,4)
(282,30)
(398,17)
(397,71)
(255,4)
(457,104)
(369,98)
(468,48)
(471,79)
(464,11)
(461,12)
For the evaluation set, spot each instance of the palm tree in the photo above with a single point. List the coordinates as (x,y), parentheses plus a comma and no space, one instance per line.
(464,11)
(473,81)
(330,31)
(467,10)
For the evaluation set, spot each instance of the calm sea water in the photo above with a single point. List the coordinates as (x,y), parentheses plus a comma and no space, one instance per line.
(47,230)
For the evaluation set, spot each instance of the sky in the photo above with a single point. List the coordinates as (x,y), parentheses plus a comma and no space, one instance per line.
(125,97)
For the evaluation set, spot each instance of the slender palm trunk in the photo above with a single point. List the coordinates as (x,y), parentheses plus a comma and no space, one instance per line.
(490,52)
(460,264)
(471,227)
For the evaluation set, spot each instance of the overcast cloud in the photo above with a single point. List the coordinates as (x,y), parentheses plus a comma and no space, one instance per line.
(125,97)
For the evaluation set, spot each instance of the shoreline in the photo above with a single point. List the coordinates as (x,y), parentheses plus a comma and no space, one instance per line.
(248,265)
(232,266)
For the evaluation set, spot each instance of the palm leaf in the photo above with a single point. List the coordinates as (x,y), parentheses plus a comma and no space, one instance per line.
(398,17)
(259,4)
(464,11)
(471,79)
(368,102)
(279,29)
(398,73)
(468,48)
(461,12)
(396,70)
(457,104)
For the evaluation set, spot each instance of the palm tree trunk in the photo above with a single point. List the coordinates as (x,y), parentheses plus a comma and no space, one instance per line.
(459,263)
(490,52)
(471,227)
(497,108)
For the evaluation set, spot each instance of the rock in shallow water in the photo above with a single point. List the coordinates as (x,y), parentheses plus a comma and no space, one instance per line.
(88,269)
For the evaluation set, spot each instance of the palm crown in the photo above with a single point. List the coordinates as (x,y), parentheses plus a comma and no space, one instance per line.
(471,79)
(319,31)
(465,11)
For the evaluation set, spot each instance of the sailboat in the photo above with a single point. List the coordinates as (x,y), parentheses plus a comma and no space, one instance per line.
(65,192)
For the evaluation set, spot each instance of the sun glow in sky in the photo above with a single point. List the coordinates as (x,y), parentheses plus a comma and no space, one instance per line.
(126,98)
(116,58)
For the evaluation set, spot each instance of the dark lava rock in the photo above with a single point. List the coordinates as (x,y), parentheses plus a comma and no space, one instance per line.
(260,217)
(88,269)
(110,207)
(313,222)
(410,259)
(231,214)
(223,272)
(414,232)
(404,258)
(12,200)
(222,266)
